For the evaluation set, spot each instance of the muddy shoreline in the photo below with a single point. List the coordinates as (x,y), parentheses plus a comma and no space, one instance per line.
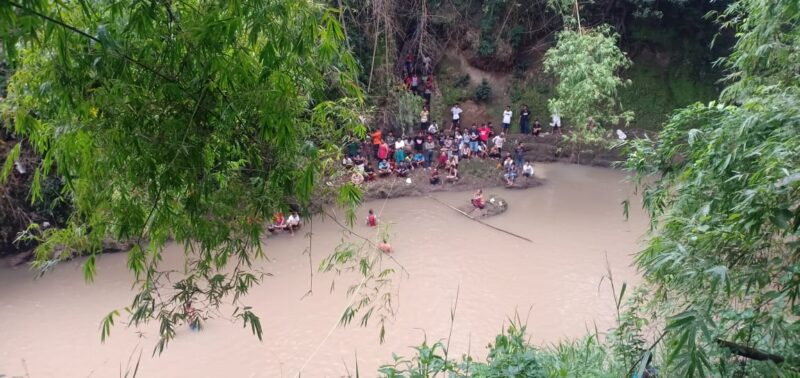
(480,173)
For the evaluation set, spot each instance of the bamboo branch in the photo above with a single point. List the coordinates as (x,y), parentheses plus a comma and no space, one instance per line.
(480,221)
(748,352)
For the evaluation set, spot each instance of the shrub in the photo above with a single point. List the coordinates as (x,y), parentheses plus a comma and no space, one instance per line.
(461,81)
(483,92)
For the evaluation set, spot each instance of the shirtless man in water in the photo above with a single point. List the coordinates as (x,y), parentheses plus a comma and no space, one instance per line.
(385,247)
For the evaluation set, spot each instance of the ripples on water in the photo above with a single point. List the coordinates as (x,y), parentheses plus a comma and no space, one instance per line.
(50,327)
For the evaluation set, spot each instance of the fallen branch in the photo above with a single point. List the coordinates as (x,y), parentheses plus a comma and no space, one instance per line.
(480,221)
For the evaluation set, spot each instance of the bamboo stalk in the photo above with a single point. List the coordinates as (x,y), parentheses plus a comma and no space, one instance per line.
(480,221)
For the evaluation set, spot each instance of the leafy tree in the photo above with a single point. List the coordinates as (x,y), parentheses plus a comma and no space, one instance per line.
(190,120)
(585,64)
(723,259)
(405,108)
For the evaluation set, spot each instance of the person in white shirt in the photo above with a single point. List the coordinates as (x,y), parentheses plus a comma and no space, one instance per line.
(456,110)
(499,140)
(507,114)
(399,150)
(433,129)
(527,169)
(293,222)
(556,122)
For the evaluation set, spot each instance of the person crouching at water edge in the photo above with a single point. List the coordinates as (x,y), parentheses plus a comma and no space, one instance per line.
(385,247)
(478,202)
(372,220)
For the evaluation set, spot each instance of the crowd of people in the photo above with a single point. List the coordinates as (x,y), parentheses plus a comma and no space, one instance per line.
(438,152)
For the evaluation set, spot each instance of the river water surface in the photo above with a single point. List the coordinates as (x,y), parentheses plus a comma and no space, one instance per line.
(50,327)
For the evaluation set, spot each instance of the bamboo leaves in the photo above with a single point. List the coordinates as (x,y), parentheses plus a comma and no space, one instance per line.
(189,120)
(586,65)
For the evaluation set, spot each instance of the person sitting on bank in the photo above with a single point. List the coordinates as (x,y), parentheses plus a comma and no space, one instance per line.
(293,223)
(435,180)
(527,169)
(369,172)
(278,222)
(384,169)
(511,174)
(494,153)
(537,128)
(433,129)
(478,201)
(403,168)
(442,159)
(372,220)
(452,173)
(419,160)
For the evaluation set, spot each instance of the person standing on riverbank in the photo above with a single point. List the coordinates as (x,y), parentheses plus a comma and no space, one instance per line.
(556,123)
(507,114)
(456,111)
(423,118)
(474,138)
(377,139)
(519,154)
(483,132)
(499,140)
(524,120)
(429,146)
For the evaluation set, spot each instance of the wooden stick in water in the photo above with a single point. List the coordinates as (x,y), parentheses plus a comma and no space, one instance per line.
(480,221)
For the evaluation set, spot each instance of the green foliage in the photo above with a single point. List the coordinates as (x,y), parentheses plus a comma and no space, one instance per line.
(586,65)
(187,120)
(483,92)
(533,92)
(405,109)
(766,51)
(371,297)
(461,81)
(511,355)
(725,210)
(658,91)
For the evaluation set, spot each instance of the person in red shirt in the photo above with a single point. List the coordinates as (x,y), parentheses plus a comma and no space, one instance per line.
(442,158)
(278,222)
(372,220)
(484,132)
(478,201)
(383,151)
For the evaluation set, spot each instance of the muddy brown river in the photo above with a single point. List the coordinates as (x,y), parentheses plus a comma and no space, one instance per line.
(50,327)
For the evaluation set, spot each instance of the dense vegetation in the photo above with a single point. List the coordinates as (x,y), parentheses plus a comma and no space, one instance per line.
(193,121)
(721,266)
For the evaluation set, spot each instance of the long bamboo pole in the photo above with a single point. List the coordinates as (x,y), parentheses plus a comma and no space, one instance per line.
(480,221)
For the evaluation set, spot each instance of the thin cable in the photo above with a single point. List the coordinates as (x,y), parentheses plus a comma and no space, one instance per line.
(352,298)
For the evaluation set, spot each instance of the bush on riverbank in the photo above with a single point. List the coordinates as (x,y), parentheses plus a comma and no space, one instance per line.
(510,355)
